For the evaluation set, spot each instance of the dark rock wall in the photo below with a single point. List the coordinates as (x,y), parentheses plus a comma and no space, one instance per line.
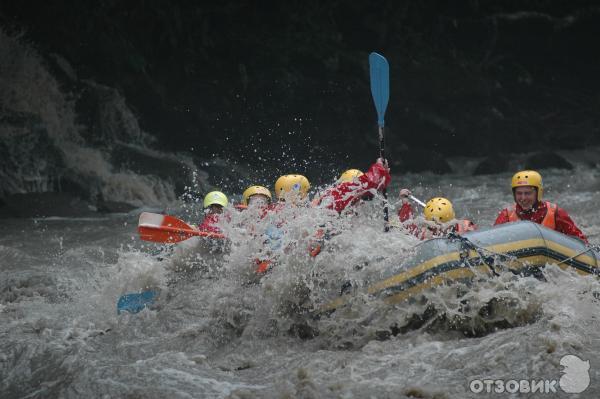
(290,79)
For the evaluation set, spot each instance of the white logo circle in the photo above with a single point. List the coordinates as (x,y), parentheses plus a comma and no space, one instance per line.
(575,378)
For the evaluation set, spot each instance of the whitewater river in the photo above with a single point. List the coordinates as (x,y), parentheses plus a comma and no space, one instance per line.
(217,332)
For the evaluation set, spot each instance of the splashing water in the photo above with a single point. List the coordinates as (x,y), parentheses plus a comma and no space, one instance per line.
(219,330)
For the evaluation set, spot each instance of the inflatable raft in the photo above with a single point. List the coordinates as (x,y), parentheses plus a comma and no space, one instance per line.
(522,247)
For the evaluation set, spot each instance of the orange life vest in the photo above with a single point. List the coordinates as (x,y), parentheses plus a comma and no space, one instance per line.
(549,220)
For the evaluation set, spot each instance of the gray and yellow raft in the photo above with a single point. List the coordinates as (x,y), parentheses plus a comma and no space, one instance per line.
(522,247)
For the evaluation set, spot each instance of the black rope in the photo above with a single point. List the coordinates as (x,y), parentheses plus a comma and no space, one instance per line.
(467,245)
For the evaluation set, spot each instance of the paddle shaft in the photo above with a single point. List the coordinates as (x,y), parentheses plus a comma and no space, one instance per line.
(418,201)
(386,217)
(379,72)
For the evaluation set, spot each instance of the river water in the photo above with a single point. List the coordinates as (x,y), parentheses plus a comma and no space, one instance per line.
(218,331)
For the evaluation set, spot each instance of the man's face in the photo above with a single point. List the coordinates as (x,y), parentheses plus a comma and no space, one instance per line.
(214,209)
(294,197)
(258,200)
(526,197)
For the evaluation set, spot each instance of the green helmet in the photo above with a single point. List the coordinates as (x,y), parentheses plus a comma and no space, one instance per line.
(215,198)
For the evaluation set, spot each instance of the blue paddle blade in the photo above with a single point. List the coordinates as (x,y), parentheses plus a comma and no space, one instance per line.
(134,303)
(380,84)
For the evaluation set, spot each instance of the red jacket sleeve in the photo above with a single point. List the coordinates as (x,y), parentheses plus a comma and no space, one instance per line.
(566,225)
(377,177)
(405,212)
(347,193)
(502,217)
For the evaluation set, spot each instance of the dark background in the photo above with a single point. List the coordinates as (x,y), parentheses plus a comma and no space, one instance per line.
(289,79)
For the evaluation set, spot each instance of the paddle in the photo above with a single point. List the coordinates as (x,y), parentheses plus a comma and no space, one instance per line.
(162,229)
(168,229)
(414,199)
(380,90)
(134,303)
(418,201)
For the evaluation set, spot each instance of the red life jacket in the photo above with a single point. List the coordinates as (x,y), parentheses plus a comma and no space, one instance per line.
(549,220)
(210,222)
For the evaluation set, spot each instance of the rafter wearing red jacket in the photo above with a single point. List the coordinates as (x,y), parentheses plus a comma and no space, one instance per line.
(545,213)
(528,191)
(349,193)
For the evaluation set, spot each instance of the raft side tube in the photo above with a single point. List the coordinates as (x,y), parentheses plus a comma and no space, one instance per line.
(523,246)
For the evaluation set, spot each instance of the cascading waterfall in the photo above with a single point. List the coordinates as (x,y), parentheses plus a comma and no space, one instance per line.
(45,146)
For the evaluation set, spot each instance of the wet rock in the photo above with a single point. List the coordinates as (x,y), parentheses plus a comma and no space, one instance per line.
(74,184)
(453,98)
(113,207)
(105,113)
(45,204)
(496,163)
(29,158)
(547,159)
(145,162)
(420,160)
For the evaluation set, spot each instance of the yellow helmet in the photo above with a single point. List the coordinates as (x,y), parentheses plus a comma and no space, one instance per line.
(439,209)
(291,183)
(215,198)
(254,190)
(349,175)
(526,178)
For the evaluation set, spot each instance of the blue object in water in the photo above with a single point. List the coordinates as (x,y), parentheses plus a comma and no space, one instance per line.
(134,303)
(274,238)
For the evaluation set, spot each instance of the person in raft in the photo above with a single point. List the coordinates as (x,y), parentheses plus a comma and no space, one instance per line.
(354,186)
(528,192)
(440,217)
(214,203)
(257,196)
(290,190)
